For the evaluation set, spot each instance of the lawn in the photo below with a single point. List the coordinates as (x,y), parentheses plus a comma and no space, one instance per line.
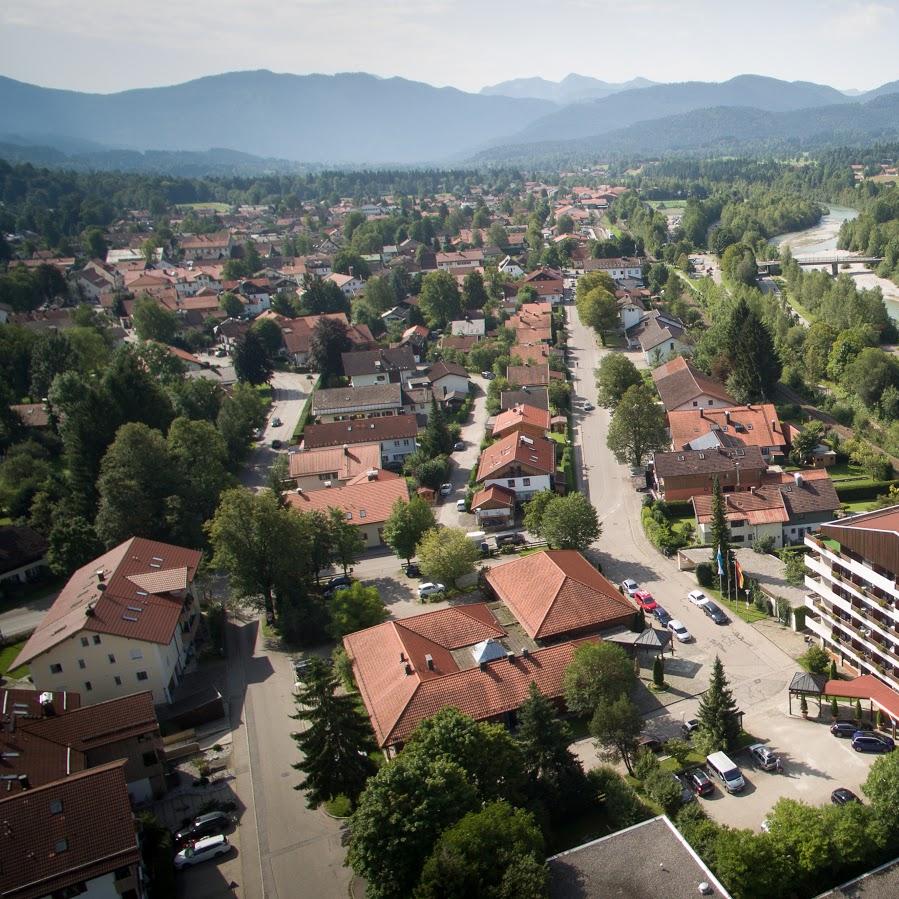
(860,506)
(559,438)
(748,613)
(216,207)
(7,655)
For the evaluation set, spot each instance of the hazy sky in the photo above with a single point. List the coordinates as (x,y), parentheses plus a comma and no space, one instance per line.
(109,45)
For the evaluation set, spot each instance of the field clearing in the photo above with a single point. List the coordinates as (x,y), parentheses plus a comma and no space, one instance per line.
(214,207)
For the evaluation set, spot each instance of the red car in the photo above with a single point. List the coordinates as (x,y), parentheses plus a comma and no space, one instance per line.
(645,600)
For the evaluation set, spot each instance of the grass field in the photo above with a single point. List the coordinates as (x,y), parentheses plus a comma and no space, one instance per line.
(215,207)
(7,655)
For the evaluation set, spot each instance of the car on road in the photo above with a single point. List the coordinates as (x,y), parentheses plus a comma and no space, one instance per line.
(645,600)
(661,615)
(689,726)
(202,851)
(458,445)
(680,632)
(220,353)
(203,826)
(446,489)
(341,582)
(763,757)
(867,742)
(412,570)
(700,782)
(429,588)
(715,612)
(488,375)
(589,407)
(276,422)
(629,586)
(843,728)
(842,796)
(460,505)
(698,598)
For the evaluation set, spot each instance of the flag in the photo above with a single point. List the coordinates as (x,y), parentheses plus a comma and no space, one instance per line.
(738,571)
(720,563)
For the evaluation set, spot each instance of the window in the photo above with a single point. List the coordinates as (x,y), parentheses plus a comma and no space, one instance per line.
(111,658)
(88,686)
(122,873)
(85,641)
(61,845)
(142,675)
(136,654)
(396,443)
(56,668)
(55,806)
(510,482)
(526,482)
(695,403)
(710,402)
(118,681)
(96,639)
(81,663)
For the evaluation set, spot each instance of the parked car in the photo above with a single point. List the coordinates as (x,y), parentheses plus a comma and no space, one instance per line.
(488,375)
(458,445)
(843,728)
(764,757)
(276,444)
(661,615)
(689,726)
(715,612)
(412,570)
(645,600)
(697,597)
(680,632)
(446,489)
(460,505)
(842,796)
(510,540)
(653,744)
(629,586)
(341,582)
(202,851)
(276,422)
(589,407)
(203,826)
(220,353)
(766,825)
(430,589)
(863,742)
(700,782)
(686,792)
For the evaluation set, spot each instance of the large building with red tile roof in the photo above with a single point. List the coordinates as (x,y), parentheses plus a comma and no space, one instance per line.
(682,386)
(529,420)
(332,466)
(751,425)
(460,657)
(396,435)
(525,465)
(122,623)
(557,595)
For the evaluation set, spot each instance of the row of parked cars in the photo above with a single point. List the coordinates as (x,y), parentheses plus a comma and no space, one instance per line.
(647,602)
(203,839)
(862,740)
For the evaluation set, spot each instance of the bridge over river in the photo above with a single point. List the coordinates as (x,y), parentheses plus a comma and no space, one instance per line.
(834,260)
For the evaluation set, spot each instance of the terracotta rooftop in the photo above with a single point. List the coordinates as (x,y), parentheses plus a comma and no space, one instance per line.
(752,425)
(535,453)
(362,501)
(115,603)
(679,382)
(336,433)
(531,375)
(495,494)
(556,592)
(518,415)
(772,503)
(346,463)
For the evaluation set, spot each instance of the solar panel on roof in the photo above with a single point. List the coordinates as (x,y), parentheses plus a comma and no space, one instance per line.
(129,618)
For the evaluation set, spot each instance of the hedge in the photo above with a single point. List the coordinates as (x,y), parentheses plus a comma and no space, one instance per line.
(679,508)
(306,413)
(871,490)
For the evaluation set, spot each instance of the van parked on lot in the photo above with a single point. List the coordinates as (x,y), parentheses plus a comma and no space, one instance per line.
(726,771)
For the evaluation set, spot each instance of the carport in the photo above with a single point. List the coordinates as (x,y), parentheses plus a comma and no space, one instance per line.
(805,685)
(880,697)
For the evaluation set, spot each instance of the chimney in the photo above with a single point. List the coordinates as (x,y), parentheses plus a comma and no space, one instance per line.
(24,783)
(701,412)
(299,491)
(482,666)
(774,425)
(89,611)
(525,652)
(46,701)
(752,489)
(510,657)
(408,669)
(402,657)
(429,661)
(101,574)
(727,415)
(346,449)
(797,479)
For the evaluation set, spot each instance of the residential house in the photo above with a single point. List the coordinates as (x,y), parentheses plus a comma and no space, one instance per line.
(74,836)
(785,510)
(683,386)
(749,425)
(396,435)
(396,315)
(460,344)
(524,464)
(658,335)
(332,466)
(371,401)
(530,353)
(365,501)
(416,338)
(558,595)
(630,311)
(449,381)
(350,285)
(683,474)
(23,554)
(297,334)
(494,506)
(547,282)
(106,272)
(395,366)
(470,326)
(618,269)
(508,266)
(526,396)
(530,420)
(466,259)
(461,658)
(45,736)
(207,246)
(125,621)
(33,415)
(531,375)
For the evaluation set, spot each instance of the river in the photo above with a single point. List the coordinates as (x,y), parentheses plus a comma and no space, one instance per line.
(822,238)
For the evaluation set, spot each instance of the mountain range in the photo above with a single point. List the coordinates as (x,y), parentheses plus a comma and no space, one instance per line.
(260,120)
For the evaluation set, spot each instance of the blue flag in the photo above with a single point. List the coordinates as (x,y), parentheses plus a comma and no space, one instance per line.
(720,563)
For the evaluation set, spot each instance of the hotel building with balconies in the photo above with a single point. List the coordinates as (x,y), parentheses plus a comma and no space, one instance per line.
(853,604)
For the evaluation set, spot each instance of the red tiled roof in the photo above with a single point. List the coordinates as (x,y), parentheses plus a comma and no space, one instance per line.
(866,687)
(556,592)
(117,605)
(43,852)
(335,433)
(678,382)
(362,501)
(346,462)
(536,453)
(495,494)
(519,415)
(759,425)
(530,375)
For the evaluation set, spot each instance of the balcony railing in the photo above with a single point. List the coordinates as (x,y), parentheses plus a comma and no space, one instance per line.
(875,655)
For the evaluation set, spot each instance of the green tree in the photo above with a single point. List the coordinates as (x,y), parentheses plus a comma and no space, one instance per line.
(882,786)
(163,365)
(436,438)
(347,542)
(73,543)
(665,790)
(349,263)
(400,816)
(336,742)
(719,722)
(379,294)
(804,443)
(494,853)
(616,373)
(134,393)
(152,321)
(197,399)
(598,309)
(439,299)
(407,524)
(559,394)
(252,363)
(267,330)
(534,510)
(637,427)
(720,534)
(597,672)
(658,671)
(327,344)
(498,236)
(51,355)
(593,280)
(240,415)
(616,726)
(474,294)
(755,365)
(201,455)
(819,341)
(95,243)
(230,304)
(570,522)
(320,297)
(446,554)
(752,864)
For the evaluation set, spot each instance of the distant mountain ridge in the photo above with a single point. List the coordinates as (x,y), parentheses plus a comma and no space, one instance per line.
(571,89)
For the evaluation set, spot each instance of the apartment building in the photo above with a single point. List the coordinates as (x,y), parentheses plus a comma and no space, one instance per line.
(852,572)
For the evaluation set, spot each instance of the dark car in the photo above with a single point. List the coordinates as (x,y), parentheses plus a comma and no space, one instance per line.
(872,743)
(842,796)
(510,540)
(653,744)
(715,613)
(843,728)
(700,783)
(412,570)
(661,615)
(204,826)
(342,582)
(276,444)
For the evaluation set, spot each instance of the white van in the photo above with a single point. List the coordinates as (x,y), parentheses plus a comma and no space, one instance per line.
(726,771)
